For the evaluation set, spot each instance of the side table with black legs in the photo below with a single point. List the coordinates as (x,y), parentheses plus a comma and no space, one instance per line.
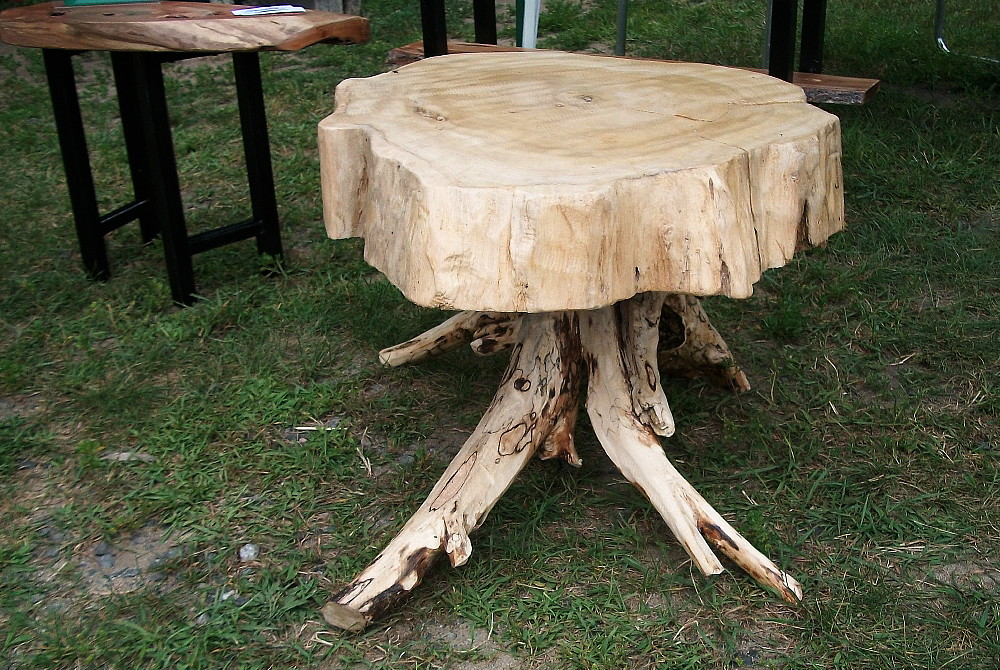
(141,37)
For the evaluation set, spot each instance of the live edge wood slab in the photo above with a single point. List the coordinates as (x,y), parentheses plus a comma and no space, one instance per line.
(573,208)
(819,88)
(182,27)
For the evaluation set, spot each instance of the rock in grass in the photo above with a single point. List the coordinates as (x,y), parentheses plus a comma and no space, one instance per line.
(52,534)
(123,456)
(249,552)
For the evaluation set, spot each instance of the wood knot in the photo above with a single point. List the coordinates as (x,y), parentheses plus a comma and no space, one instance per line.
(522,384)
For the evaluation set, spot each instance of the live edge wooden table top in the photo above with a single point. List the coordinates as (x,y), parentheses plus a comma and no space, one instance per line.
(574,207)
(172,26)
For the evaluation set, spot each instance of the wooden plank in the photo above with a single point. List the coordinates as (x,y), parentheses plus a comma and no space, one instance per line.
(819,88)
(174,27)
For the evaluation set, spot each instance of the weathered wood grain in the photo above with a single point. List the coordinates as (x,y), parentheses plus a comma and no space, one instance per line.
(539,181)
(173,26)
(819,88)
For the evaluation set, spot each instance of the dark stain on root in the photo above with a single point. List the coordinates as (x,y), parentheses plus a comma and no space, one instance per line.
(716,535)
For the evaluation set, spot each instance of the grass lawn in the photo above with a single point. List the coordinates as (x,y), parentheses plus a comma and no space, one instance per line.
(143,446)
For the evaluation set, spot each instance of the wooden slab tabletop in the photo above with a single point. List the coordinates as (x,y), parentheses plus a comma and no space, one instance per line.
(819,88)
(173,27)
(538,181)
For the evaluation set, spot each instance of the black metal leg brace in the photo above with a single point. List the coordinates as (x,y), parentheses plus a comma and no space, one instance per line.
(157,200)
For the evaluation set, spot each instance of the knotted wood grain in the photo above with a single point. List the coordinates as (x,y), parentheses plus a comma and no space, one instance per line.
(539,181)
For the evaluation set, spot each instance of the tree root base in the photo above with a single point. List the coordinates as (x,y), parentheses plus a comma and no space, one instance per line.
(620,351)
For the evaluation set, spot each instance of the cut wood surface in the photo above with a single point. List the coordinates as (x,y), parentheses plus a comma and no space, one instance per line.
(819,88)
(539,181)
(173,26)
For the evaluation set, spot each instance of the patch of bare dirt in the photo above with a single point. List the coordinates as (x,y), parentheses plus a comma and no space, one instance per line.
(761,644)
(19,407)
(20,69)
(130,563)
(968,576)
(77,568)
(96,569)
(473,647)
(935,96)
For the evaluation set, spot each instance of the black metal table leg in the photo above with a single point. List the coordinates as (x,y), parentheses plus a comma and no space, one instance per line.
(76,161)
(257,150)
(130,86)
(782,19)
(435,31)
(484,19)
(813,32)
(157,200)
(169,209)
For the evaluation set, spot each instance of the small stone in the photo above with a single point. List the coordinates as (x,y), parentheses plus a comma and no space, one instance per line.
(249,552)
(382,522)
(27,464)
(127,573)
(106,561)
(169,555)
(123,456)
(155,577)
(57,605)
(226,595)
(102,549)
(50,552)
(52,534)
(202,619)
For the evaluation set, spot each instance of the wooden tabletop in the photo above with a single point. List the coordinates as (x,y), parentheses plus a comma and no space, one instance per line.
(173,27)
(538,181)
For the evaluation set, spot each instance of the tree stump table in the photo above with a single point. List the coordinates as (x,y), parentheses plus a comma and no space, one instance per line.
(573,208)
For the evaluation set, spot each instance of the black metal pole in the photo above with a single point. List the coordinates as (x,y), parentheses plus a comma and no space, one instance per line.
(622,27)
(168,206)
(128,89)
(782,18)
(76,161)
(484,17)
(434,29)
(257,149)
(813,32)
